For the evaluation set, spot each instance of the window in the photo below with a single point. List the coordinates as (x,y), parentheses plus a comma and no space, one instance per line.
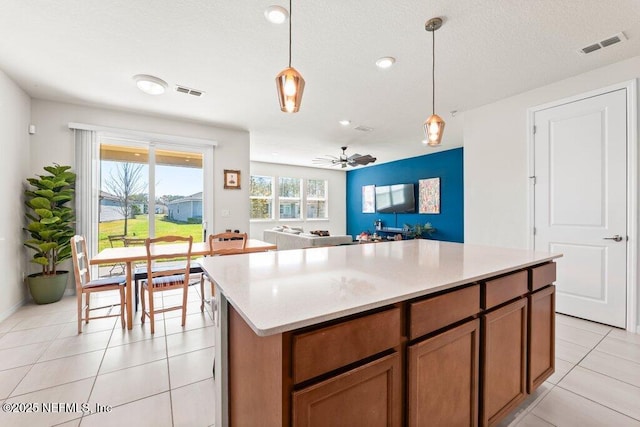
(261,196)
(316,206)
(289,197)
(294,198)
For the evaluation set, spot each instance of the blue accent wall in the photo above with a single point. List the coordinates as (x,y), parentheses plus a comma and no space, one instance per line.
(446,164)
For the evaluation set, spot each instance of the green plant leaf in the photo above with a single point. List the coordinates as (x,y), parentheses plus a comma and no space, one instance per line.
(44,213)
(61,198)
(48,194)
(35,227)
(46,183)
(46,247)
(40,203)
(48,221)
(41,260)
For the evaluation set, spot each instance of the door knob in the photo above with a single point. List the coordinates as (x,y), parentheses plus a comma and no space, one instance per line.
(616,238)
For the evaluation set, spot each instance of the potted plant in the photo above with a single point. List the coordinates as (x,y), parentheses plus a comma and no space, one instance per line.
(420,231)
(50,224)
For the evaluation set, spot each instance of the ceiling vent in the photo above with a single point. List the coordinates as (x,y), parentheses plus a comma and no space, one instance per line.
(189,91)
(616,38)
(364,129)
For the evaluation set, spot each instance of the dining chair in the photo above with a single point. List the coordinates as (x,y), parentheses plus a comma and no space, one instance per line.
(85,286)
(116,238)
(165,279)
(234,243)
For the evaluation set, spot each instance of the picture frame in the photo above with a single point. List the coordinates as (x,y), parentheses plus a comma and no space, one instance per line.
(368,199)
(231,179)
(429,196)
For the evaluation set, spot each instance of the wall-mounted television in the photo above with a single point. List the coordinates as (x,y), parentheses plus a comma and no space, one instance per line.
(396,198)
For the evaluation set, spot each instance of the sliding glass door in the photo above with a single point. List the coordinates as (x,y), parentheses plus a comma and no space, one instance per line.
(151,189)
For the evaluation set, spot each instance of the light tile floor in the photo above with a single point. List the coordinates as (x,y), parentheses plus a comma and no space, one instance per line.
(166,380)
(160,380)
(596,383)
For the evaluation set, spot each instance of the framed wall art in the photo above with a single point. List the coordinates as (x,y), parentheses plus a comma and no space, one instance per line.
(429,194)
(231,179)
(368,199)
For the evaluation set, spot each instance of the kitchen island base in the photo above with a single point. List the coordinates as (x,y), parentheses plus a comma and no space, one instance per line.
(464,356)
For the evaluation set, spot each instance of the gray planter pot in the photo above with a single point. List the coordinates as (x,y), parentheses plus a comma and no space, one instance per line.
(47,289)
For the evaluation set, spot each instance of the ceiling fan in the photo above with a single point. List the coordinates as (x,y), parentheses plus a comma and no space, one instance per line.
(343,160)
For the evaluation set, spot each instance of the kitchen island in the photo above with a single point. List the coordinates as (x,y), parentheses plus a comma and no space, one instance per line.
(414,332)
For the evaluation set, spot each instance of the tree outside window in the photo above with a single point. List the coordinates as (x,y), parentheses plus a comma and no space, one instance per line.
(289,197)
(316,205)
(261,197)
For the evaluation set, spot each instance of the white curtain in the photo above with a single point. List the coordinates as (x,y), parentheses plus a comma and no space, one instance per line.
(86,167)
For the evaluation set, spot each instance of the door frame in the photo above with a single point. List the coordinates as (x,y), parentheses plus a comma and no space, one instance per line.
(631,87)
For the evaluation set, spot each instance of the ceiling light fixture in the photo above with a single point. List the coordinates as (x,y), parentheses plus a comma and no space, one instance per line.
(276,14)
(345,122)
(385,62)
(434,125)
(150,84)
(289,82)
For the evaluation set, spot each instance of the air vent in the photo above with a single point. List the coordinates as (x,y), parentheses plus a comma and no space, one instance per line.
(616,38)
(364,129)
(189,91)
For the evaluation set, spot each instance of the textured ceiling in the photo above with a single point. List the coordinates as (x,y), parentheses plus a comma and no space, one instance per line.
(86,52)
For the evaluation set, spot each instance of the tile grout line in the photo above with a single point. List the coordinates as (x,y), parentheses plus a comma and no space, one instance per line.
(597,403)
(166,349)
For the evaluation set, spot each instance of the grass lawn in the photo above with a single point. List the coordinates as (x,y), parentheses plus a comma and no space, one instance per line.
(139,227)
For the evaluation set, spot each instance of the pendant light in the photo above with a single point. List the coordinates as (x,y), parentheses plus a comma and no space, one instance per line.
(434,125)
(290,83)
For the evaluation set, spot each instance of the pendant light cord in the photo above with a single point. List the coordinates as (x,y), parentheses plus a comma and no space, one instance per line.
(433,71)
(290,14)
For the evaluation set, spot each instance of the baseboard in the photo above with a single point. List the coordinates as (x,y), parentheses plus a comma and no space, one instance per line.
(8,312)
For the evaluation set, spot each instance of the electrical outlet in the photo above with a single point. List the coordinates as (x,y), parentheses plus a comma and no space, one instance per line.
(225,212)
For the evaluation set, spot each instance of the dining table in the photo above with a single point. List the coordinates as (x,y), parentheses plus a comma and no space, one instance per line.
(129,255)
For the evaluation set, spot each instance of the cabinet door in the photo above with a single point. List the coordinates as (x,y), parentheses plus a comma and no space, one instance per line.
(504,349)
(443,378)
(370,395)
(541,344)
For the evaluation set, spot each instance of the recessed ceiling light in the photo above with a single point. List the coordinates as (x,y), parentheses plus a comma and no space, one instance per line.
(150,84)
(425,142)
(276,14)
(345,122)
(385,62)
(274,153)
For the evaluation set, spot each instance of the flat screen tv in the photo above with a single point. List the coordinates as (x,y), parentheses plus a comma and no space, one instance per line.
(395,198)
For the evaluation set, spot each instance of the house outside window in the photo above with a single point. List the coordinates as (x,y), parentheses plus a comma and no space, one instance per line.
(261,197)
(289,197)
(316,199)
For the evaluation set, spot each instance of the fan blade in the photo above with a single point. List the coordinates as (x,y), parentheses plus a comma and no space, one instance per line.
(364,160)
(344,165)
(353,156)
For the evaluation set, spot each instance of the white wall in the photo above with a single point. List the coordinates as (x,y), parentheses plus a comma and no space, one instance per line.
(15,114)
(495,157)
(54,143)
(337,222)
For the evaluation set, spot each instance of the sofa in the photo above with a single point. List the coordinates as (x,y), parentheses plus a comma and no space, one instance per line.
(291,239)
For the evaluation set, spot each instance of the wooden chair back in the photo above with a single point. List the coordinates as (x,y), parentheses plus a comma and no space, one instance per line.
(156,255)
(81,267)
(227,243)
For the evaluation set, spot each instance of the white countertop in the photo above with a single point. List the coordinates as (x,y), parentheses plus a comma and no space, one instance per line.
(280,291)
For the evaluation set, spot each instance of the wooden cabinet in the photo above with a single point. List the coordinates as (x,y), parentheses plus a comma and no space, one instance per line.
(369,395)
(443,374)
(464,357)
(541,339)
(504,351)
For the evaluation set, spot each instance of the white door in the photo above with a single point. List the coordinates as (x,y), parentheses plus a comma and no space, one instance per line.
(580,210)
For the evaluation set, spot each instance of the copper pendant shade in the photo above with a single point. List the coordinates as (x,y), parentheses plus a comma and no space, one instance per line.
(290,83)
(290,86)
(434,125)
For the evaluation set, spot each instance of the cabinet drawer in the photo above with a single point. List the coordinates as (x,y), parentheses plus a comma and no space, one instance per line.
(542,276)
(504,289)
(437,312)
(323,350)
